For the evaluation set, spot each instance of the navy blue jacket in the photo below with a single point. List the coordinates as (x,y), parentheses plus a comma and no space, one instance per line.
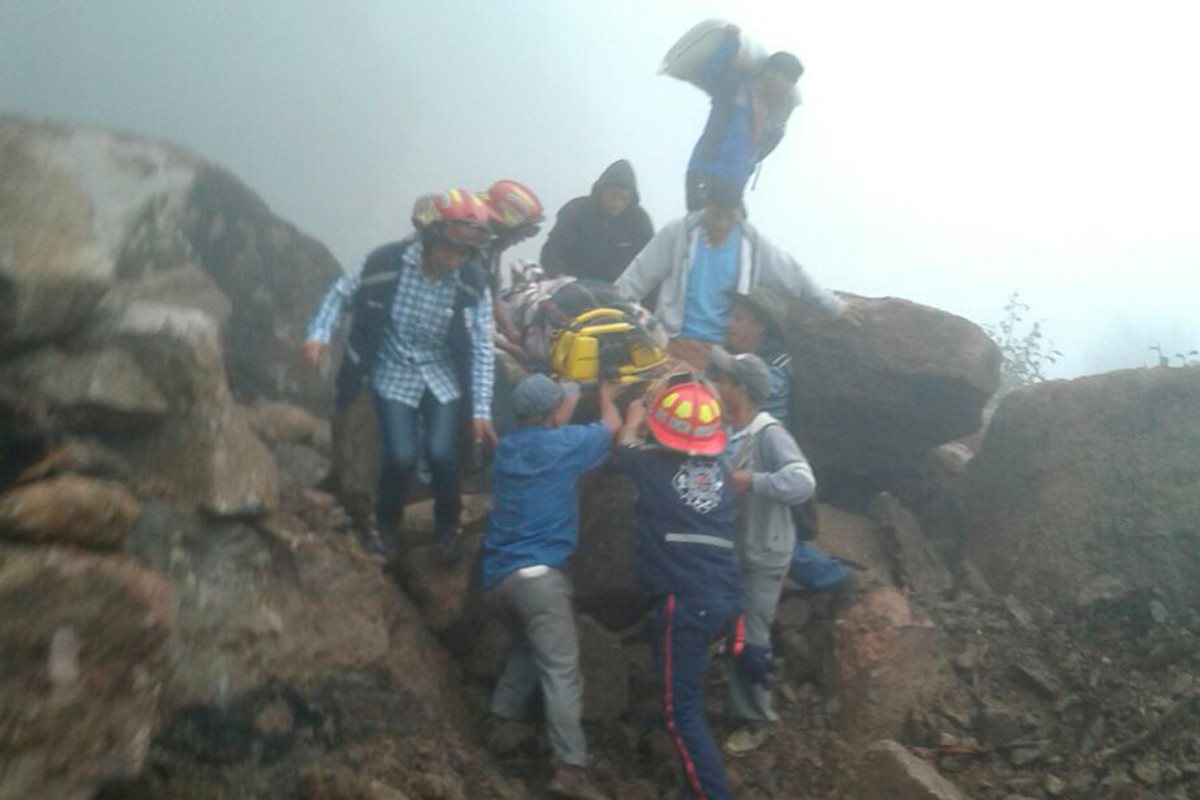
(687,513)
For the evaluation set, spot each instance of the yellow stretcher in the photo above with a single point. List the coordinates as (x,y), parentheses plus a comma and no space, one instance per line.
(604,343)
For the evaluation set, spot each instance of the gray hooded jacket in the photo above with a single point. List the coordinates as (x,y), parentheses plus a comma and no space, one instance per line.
(667,258)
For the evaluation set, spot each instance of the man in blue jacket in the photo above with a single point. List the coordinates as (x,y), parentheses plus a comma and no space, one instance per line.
(747,119)
(532,534)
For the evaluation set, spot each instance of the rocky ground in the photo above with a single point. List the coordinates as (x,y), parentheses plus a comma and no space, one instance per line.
(185,611)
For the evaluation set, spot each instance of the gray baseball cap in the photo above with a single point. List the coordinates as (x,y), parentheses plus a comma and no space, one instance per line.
(538,395)
(744,369)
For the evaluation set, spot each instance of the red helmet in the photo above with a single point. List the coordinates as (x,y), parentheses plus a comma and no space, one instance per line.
(514,204)
(455,216)
(684,414)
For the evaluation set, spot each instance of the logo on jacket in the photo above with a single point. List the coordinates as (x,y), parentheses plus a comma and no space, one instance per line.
(699,484)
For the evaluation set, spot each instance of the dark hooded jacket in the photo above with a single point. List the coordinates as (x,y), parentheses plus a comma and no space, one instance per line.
(588,243)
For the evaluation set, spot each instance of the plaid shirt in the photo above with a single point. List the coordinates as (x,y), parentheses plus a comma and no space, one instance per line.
(414,355)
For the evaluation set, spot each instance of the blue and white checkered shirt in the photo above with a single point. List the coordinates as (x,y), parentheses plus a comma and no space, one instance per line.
(414,354)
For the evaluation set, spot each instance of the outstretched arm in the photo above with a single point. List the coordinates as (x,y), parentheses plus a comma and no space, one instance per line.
(481,327)
(650,267)
(329,314)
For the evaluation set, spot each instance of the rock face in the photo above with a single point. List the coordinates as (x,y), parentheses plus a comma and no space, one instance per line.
(293,650)
(83,668)
(1086,478)
(875,399)
(83,210)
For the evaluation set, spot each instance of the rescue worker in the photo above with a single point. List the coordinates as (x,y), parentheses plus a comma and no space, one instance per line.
(696,261)
(531,535)
(747,120)
(685,563)
(516,216)
(596,236)
(419,305)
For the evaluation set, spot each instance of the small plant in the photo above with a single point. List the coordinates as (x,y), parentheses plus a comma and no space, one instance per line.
(1187,359)
(1025,350)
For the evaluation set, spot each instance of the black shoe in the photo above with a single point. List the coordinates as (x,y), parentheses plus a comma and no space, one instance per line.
(380,539)
(448,548)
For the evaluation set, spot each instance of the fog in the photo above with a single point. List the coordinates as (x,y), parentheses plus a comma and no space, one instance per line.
(946,152)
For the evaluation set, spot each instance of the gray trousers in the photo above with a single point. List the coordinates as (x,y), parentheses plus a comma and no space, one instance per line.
(761,589)
(537,612)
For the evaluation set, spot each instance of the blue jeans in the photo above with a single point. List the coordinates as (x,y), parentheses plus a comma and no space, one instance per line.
(400,428)
(682,629)
(813,569)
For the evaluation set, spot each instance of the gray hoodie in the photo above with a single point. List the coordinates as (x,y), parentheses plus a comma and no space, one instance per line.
(782,478)
(666,260)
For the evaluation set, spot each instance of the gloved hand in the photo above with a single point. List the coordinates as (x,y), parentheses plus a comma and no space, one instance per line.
(757,664)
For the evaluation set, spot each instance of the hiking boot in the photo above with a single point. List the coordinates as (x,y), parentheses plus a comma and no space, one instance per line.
(448,548)
(575,783)
(746,740)
(379,539)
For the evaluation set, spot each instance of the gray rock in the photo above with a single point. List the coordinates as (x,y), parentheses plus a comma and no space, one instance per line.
(1052,502)
(877,398)
(98,391)
(81,208)
(890,772)
(605,681)
(915,564)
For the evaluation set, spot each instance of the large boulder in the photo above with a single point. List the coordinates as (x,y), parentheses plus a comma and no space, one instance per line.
(887,662)
(295,652)
(876,398)
(84,640)
(1098,476)
(205,452)
(97,390)
(82,210)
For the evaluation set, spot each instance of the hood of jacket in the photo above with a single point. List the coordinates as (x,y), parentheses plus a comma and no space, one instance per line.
(618,173)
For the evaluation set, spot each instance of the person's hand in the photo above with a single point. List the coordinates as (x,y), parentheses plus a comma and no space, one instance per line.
(742,480)
(513,349)
(485,434)
(313,350)
(854,314)
(612,389)
(635,415)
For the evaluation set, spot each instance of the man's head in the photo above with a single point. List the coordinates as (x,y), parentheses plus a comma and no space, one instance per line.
(722,210)
(780,73)
(753,319)
(743,381)
(538,400)
(615,198)
(442,257)
(453,227)
(516,212)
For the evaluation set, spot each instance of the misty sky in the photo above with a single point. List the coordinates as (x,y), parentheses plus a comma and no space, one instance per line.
(946,152)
